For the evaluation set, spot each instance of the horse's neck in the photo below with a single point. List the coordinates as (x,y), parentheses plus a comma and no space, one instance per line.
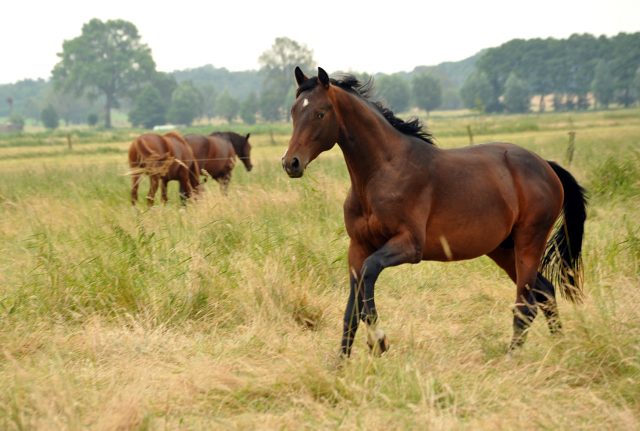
(367,140)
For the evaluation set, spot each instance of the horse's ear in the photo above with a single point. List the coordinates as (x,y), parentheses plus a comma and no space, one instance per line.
(300,77)
(323,77)
(248,134)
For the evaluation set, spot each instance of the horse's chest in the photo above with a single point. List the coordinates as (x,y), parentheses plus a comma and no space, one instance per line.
(365,226)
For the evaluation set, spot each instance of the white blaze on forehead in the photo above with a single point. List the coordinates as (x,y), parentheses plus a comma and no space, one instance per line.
(285,153)
(305,103)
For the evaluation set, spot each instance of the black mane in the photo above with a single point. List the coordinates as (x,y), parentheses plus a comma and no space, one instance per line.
(366,90)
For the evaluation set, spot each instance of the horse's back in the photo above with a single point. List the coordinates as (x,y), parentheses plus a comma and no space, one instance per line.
(221,157)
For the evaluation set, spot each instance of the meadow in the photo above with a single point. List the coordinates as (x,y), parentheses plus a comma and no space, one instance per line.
(227,314)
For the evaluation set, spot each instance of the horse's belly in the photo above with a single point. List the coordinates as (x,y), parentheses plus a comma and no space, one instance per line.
(475,238)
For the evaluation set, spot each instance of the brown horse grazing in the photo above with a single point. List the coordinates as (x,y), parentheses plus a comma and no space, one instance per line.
(163,158)
(216,154)
(411,201)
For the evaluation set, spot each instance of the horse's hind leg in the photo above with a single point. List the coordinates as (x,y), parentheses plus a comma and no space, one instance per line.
(153,187)
(543,293)
(545,296)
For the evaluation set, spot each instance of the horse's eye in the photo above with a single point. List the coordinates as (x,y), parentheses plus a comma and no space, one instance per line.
(321,115)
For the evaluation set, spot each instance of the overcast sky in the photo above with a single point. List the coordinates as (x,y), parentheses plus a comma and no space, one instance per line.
(385,36)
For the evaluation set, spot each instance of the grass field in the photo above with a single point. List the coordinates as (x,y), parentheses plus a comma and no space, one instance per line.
(228,315)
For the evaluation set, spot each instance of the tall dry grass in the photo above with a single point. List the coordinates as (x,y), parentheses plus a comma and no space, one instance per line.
(227,314)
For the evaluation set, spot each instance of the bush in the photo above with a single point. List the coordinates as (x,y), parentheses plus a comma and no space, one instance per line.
(92,119)
(49,117)
(17,120)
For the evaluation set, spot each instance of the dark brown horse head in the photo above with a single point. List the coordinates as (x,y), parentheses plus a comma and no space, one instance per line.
(244,151)
(240,144)
(315,122)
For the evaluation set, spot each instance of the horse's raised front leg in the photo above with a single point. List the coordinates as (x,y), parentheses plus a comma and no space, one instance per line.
(398,250)
(135,183)
(163,188)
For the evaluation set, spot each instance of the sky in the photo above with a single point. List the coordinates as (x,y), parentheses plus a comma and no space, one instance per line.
(361,36)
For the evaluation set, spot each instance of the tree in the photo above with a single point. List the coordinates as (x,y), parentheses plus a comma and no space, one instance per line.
(10,102)
(209,96)
(636,83)
(289,100)
(249,108)
(149,109)
(270,103)
(476,92)
(92,119)
(279,62)
(517,96)
(227,106)
(395,89)
(107,59)
(49,117)
(626,59)
(166,84)
(602,85)
(187,104)
(427,91)
(69,108)
(17,121)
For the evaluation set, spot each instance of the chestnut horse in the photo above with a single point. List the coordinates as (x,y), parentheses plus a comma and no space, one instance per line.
(411,201)
(162,158)
(216,154)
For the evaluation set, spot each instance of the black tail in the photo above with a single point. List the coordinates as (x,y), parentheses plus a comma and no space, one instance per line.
(562,262)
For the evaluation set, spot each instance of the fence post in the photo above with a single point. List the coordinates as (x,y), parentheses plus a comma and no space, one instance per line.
(571,148)
(69,141)
(470,135)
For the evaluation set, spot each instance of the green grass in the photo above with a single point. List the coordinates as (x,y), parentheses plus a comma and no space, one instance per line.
(227,314)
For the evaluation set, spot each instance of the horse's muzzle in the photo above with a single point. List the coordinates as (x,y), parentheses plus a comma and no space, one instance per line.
(294,169)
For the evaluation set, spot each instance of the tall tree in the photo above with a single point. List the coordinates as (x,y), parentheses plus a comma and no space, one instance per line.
(602,85)
(279,62)
(107,59)
(248,108)
(427,91)
(10,102)
(626,60)
(517,96)
(187,104)
(227,106)
(395,89)
(166,84)
(477,92)
(209,96)
(149,109)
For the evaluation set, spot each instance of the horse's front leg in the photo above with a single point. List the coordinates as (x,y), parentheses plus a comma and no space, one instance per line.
(403,248)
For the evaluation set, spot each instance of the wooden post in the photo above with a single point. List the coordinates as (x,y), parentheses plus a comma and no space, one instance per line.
(571,148)
(470,135)
(69,141)
(273,141)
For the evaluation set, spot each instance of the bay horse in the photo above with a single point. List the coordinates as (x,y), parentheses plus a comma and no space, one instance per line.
(411,201)
(162,158)
(216,154)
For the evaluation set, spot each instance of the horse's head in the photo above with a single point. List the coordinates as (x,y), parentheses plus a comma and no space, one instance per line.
(315,122)
(244,151)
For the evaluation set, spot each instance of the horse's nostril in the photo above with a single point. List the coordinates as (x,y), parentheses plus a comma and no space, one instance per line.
(295,163)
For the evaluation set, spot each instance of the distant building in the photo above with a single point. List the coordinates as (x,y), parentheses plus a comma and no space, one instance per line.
(8,128)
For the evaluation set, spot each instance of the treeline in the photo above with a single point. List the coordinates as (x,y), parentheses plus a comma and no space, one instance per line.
(574,73)
(570,69)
